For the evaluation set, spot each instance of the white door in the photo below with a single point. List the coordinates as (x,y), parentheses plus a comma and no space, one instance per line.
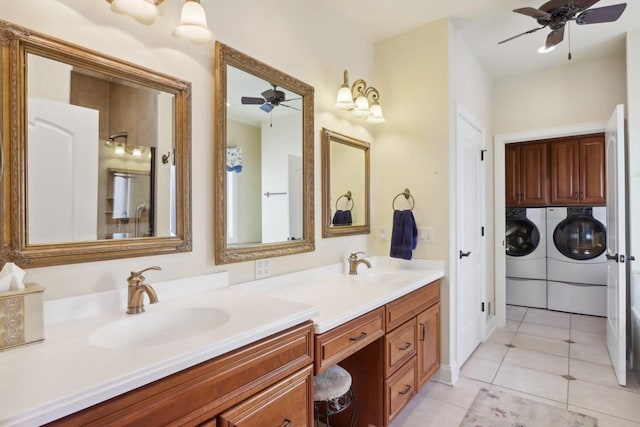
(295,197)
(616,245)
(470,249)
(62,158)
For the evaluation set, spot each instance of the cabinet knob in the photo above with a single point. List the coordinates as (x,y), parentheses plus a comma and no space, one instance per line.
(423,332)
(362,336)
(406,389)
(404,346)
(287,422)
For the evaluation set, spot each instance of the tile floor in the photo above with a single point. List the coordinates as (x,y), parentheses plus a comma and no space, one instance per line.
(557,358)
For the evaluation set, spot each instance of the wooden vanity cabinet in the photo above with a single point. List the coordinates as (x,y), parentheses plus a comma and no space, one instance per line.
(526,174)
(428,344)
(270,379)
(578,171)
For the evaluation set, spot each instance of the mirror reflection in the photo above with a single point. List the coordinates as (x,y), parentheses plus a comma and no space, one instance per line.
(92,140)
(263,161)
(345,169)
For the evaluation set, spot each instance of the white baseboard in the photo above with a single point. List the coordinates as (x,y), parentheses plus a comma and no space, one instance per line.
(447,374)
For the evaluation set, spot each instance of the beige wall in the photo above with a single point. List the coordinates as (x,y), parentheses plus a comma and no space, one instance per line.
(411,150)
(580,92)
(318,48)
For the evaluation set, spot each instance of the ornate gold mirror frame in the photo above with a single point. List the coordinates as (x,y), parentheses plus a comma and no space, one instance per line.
(16,44)
(362,225)
(225,253)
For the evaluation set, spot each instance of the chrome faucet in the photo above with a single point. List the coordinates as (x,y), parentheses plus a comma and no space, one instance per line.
(137,289)
(354,262)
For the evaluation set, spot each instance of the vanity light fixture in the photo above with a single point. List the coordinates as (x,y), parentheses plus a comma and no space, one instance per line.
(119,149)
(193,20)
(356,100)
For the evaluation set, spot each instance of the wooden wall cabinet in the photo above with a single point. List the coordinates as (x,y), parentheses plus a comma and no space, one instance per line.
(267,380)
(526,174)
(578,171)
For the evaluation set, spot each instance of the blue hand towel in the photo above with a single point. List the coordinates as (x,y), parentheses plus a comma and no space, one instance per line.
(404,236)
(342,218)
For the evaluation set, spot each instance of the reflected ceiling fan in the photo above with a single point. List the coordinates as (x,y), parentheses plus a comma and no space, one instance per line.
(555,14)
(271,98)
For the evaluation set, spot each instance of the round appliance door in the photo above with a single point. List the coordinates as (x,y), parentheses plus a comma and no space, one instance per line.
(580,237)
(522,237)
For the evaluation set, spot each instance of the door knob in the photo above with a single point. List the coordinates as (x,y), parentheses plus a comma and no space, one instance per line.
(464,254)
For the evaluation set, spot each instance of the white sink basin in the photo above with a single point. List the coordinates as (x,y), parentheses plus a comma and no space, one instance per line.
(376,277)
(160,327)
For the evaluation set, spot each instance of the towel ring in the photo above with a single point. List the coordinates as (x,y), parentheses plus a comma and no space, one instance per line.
(349,199)
(407,194)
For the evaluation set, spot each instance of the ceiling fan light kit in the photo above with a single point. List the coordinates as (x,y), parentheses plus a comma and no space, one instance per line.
(271,98)
(193,20)
(356,100)
(557,14)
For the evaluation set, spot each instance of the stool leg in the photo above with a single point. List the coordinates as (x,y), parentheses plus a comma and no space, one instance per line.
(356,409)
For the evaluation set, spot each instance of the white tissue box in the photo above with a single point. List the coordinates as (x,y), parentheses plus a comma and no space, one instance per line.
(21,318)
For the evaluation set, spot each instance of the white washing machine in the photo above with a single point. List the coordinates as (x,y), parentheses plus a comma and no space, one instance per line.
(526,257)
(576,261)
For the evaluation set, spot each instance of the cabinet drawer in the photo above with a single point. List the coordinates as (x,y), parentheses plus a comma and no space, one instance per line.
(403,309)
(399,389)
(287,403)
(341,342)
(400,346)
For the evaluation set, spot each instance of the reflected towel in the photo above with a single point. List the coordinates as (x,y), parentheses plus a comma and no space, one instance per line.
(404,236)
(342,218)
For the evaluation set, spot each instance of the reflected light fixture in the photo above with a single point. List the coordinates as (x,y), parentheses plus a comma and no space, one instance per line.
(356,99)
(193,20)
(119,149)
(545,49)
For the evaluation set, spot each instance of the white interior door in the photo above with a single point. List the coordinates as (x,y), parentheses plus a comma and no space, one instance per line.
(470,271)
(616,245)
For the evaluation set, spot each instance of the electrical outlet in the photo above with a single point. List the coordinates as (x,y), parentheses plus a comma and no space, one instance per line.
(425,234)
(263,268)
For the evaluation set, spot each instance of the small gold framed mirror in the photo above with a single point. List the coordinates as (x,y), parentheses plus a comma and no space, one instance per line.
(96,155)
(345,185)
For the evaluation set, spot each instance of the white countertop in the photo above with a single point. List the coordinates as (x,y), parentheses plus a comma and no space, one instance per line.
(66,373)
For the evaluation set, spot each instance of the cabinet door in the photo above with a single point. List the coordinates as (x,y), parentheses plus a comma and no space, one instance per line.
(288,403)
(428,344)
(534,185)
(592,171)
(512,174)
(565,172)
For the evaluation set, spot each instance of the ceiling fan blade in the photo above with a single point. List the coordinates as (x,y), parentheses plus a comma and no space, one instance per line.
(266,107)
(248,100)
(532,12)
(289,106)
(554,38)
(584,4)
(521,34)
(269,94)
(292,99)
(601,14)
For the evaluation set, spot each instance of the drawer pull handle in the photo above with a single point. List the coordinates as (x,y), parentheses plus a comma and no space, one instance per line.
(406,390)
(405,346)
(423,332)
(287,422)
(362,336)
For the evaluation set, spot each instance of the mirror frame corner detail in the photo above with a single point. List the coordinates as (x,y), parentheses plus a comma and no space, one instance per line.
(224,254)
(329,136)
(16,43)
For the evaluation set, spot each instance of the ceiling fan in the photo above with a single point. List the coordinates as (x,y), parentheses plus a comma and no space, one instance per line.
(555,14)
(271,98)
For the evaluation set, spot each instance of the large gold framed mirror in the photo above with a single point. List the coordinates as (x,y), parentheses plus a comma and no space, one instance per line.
(264,160)
(345,185)
(96,155)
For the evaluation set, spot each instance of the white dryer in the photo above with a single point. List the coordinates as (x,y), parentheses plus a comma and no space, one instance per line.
(576,261)
(526,257)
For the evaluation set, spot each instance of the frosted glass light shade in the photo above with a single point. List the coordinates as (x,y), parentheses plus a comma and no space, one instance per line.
(344,100)
(137,152)
(193,24)
(362,106)
(119,150)
(143,11)
(376,114)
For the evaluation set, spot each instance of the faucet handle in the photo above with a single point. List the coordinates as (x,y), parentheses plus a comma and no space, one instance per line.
(354,255)
(139,273)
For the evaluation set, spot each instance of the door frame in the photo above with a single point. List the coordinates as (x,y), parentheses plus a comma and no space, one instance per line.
(499,320)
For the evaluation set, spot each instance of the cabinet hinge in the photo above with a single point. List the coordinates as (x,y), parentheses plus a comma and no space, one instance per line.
(483,307)
(482,155)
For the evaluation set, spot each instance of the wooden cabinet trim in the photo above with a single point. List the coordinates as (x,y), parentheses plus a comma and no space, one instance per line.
(408,306)
(344,340)
(399,346)
(428,344)
(196,394)
(399,389)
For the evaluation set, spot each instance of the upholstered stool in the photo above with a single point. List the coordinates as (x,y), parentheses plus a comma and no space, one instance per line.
(332,394)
